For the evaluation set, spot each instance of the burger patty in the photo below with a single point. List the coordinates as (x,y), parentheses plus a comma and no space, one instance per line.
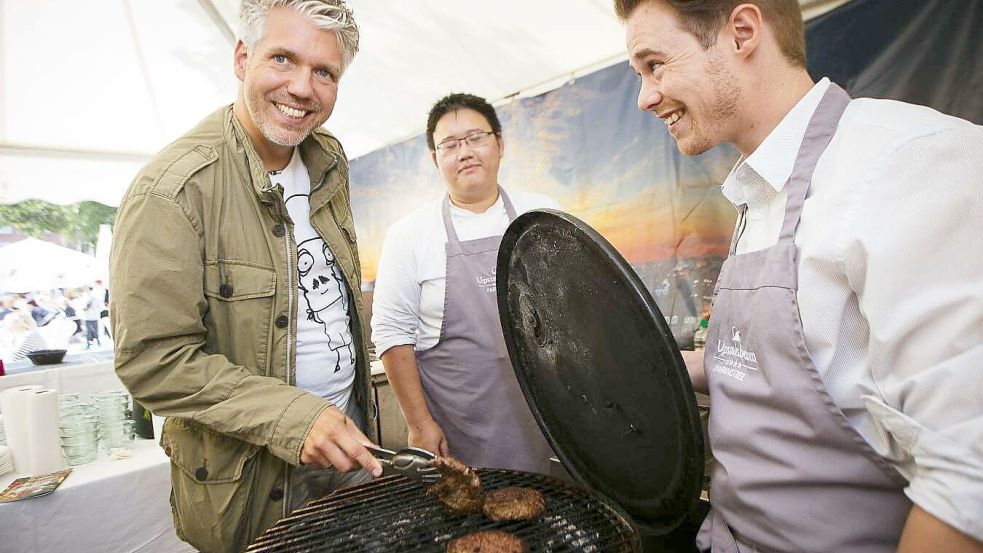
(459,489)
(513,503)
(488,541)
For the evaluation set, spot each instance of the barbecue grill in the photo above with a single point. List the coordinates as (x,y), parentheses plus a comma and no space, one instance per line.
(395,514)
(601,372)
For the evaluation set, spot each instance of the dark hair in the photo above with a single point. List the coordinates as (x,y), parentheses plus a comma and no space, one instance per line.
(703,19)
(456,101)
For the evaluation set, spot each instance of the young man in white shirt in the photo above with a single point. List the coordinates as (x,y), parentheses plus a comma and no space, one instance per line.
(435,317)
(845,353)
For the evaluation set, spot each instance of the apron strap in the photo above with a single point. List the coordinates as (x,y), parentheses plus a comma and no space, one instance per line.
(445,212)
(821,128)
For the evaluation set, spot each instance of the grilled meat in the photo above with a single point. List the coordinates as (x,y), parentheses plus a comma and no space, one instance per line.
(459,489)
(488,541)
(513,503)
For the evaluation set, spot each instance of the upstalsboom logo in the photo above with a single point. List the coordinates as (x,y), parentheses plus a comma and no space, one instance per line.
(734,359)
(488,283)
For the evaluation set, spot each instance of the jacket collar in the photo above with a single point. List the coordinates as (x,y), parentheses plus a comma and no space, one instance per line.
(315,150)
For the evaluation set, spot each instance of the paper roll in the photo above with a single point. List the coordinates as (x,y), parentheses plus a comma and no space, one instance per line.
(43,439)
(14,407)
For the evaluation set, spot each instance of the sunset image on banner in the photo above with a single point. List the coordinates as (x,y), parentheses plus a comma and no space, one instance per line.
(587,146)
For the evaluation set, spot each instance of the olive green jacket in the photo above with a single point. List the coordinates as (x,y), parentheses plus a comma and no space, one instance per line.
(203,276)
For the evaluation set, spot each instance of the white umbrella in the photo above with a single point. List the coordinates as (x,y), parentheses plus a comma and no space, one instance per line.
(31,265)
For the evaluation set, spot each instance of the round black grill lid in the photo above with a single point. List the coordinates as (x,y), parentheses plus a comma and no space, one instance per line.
(599,367)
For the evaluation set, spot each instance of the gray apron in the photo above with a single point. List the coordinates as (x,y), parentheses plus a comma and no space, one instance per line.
(467,377)
(791,474)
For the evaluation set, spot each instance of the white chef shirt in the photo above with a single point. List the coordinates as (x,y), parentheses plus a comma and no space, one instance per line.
(890,283)
(408,302)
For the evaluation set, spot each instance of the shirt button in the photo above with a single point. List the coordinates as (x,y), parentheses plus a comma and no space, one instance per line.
(279,230)
(276,494)
(756,215)
(281,321)
(225,290)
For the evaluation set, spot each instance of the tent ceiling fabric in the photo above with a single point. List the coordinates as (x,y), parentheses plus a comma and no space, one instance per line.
(131,76)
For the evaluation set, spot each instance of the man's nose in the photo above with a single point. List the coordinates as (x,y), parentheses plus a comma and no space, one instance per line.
(299,84)
(464,150)
(649,97)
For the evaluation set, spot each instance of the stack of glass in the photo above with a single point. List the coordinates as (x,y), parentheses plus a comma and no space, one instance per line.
(114,419)
(77,422)
(3,434)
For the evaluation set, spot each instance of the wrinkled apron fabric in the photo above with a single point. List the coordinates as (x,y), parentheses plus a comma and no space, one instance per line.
(791,472)
(467,378)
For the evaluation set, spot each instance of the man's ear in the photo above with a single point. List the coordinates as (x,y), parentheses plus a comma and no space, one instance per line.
(501,146)
(241,57)
(744,29)
(433,156)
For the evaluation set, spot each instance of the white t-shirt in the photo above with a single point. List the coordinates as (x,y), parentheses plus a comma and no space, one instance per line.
(95,304)
(890,285)
(325,352)
(408,302)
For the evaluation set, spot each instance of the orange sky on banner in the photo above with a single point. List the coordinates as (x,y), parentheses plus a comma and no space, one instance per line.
(642,229)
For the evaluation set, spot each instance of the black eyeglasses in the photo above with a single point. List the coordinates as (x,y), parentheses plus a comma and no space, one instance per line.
(450,146)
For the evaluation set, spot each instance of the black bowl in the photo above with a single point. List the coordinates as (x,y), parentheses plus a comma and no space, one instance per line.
(47,356)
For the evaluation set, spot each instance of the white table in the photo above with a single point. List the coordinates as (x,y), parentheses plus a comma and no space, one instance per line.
(90,374)
(105,506)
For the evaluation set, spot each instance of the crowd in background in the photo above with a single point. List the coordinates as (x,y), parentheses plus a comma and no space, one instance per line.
(75,318)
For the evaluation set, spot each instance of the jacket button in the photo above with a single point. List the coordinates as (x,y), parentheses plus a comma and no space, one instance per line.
(201,473)
(276,494)
(279,230)
(281,321)
(167,450)
(225,290)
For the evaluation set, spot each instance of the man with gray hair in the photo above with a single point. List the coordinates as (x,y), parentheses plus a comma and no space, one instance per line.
(235,278)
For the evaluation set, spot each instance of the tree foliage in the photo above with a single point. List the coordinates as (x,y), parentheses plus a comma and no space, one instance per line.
(77,223)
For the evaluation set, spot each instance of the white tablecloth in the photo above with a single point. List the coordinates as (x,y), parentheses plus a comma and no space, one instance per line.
(78,378)
(105,506)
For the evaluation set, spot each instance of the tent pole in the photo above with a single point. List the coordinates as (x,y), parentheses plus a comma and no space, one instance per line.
(45,151)
(218,20)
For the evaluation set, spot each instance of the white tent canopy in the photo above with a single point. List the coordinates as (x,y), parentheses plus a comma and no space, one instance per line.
(31,264)
(90,90)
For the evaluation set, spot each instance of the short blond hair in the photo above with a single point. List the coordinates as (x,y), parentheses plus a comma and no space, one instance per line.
(704,18)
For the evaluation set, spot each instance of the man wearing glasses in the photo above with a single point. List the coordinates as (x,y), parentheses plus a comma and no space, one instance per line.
(435,316)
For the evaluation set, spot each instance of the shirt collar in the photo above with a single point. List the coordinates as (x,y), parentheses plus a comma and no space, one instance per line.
(288,173)
(774,159)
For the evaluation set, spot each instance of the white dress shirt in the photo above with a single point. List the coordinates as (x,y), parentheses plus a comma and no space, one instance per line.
(890,283)
(408,302)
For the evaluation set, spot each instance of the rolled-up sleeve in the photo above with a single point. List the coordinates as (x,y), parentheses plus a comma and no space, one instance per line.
(917,268)
(396,300)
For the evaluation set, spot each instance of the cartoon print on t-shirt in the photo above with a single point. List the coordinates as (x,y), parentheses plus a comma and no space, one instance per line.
(320,281)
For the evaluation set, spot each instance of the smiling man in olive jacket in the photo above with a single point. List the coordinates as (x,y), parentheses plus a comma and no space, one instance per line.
(235,279)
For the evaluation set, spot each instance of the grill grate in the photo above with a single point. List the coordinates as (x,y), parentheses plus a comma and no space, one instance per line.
(395,514)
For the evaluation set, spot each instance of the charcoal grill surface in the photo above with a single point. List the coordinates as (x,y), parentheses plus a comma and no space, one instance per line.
(395,514)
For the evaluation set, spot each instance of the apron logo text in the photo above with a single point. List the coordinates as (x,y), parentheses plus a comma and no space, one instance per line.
(734,359)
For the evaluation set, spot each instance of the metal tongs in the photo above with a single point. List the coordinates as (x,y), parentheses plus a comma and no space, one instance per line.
(412,462)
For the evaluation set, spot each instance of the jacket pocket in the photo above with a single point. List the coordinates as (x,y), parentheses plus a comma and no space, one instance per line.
(211,485)
(236,280)
(241,301)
